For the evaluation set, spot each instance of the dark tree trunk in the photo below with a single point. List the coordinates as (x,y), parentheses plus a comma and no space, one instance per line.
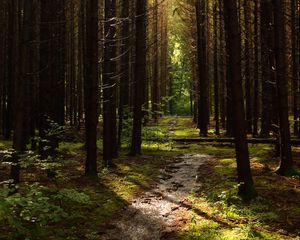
(222,67)
(286,165)
(21,127)
(155,76)
(233,46)
(256,103)
(124,80)
(81,60)
(13,36)
(51,78)
(216,71)
(140,75)
(248,62)
(91,86)
(109,85)
(268,80)
(3,24)
(295,74)
(203,104)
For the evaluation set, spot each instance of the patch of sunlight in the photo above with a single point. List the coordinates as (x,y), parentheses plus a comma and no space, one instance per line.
(227,161)
(203,229)
(157,146)
(242,233)
(185,132)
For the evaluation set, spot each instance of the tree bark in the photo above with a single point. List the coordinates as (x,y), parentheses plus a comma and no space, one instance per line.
(109,85)
(203,104)
(91,86)
(140,75)
(233,46)
(286,164)
(268,80)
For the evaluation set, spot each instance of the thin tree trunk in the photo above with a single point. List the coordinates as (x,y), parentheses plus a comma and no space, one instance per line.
(295,80)
(216,71)
(256,104)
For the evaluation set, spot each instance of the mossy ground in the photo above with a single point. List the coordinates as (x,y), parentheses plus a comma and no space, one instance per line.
(217,212)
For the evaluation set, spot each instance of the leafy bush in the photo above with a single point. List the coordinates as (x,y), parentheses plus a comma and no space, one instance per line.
(30,213)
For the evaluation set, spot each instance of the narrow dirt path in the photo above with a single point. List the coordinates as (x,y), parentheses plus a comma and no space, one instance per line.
(159,212)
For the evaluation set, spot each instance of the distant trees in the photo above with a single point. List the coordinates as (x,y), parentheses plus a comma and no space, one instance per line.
(253,85)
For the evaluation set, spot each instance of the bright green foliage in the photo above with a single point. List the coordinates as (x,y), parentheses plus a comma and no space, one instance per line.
(181,82)
(180,77)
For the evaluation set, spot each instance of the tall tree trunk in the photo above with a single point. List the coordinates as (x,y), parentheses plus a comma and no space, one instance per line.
(21,127)
(155,77)
(216,70)
(233,46)
(109,85)
(203,104)
(248,58)
(286,164)
(12,46)
(91,86)
(268,80)
(80,59)
(295,74)
(140,74)
(256,103)
(51,79)
(124,80)
(222,67)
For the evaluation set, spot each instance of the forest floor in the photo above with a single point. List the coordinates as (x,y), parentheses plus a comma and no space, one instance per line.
(195,195)
(159,211)
(173,191)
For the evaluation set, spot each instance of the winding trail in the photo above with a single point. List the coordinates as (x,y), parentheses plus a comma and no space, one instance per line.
(160,211)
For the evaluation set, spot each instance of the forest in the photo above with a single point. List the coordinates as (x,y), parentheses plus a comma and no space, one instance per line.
(149,119)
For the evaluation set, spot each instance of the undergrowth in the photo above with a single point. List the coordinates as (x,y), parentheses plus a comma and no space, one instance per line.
(73,207)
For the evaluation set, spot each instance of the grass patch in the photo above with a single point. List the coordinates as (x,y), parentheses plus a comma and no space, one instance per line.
(70,147)
(217,212)
(4,144)
(259,219)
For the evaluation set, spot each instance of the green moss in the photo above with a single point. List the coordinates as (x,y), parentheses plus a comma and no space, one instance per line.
(70,147)
(4,144)
(203,229)
(227,161)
